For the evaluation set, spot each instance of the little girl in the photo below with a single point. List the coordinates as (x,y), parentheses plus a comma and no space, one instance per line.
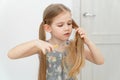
(60,58)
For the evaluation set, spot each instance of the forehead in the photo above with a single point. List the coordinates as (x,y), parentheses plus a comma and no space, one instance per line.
(62,17)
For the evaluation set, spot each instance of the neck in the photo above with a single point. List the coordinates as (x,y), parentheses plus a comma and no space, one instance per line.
(54,41)
(59,45)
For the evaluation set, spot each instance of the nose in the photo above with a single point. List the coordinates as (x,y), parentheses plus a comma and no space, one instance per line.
(66,27)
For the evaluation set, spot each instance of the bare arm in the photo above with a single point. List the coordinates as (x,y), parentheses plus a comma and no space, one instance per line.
(23,50)
(93,54)
(29,48)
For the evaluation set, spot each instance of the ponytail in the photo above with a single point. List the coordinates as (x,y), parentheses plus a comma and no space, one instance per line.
(42,57)
(76,53)
(42,35)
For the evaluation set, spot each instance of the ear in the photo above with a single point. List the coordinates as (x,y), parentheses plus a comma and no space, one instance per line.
(47,28)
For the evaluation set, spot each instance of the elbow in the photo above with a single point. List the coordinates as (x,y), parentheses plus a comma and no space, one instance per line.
(100,62)
(11,56)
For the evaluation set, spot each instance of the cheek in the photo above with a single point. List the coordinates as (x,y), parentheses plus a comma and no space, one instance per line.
(71,28)
(57,31)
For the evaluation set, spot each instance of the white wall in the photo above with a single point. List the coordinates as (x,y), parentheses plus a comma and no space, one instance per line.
(19,22)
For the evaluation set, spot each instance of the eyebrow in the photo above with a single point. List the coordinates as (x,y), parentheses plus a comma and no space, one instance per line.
(63,22)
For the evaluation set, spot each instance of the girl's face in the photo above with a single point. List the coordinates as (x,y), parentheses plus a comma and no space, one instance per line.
(61,27)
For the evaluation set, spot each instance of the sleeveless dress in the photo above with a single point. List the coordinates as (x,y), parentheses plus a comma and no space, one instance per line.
(55,70)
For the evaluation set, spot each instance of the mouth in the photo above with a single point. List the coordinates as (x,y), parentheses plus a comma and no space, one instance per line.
(67,34)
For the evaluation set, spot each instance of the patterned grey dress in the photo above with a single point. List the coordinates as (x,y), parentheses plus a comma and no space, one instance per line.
(55,71)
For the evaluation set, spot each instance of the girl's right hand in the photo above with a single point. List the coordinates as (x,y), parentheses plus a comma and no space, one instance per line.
(44,46)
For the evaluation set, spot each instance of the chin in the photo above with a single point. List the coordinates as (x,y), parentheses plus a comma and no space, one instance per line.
(65,39)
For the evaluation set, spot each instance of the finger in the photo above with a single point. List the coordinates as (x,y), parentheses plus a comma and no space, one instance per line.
(77,29)
(47,49)
(44,51)
(51,47)
(82,36)
(82,33)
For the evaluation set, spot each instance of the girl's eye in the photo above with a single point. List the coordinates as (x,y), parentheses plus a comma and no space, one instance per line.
(69,23)
(60,25)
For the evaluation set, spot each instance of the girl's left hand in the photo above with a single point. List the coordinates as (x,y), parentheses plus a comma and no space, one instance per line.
(82,34)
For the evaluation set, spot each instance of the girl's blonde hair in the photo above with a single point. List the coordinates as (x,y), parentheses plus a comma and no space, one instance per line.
(75,58)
